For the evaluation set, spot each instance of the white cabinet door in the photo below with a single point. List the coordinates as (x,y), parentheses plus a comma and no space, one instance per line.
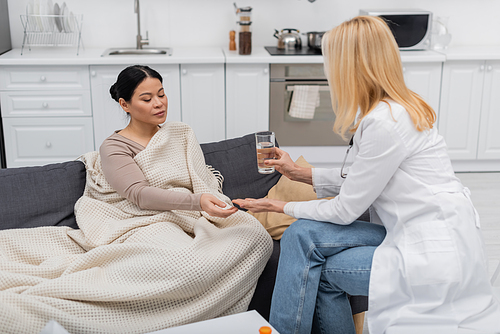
(489,130)
(425,80)
(108,115)
(203,100)
(460,108)
(43,140)
(247,99)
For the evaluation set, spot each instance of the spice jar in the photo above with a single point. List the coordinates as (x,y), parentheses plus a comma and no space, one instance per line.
(245,38)
(245,33)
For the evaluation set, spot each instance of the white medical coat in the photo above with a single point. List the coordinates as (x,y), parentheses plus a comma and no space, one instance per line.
(429,275)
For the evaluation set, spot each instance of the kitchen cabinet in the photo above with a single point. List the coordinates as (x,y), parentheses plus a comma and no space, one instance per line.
(46,113)
(221,94)
(65,111)
(489,134)
(203,100)
(108,115)
(43,140)
(469,112)
(424,78)
(247,99)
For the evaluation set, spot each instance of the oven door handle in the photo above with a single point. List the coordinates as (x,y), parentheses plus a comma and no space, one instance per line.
(322,88)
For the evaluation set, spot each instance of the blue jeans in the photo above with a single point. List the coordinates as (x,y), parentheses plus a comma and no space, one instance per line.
(320,263)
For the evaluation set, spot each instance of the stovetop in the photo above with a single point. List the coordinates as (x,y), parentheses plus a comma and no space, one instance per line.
(305,51)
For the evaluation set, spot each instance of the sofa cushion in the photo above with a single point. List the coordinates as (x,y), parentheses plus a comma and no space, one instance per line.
(40,196)
(236,160)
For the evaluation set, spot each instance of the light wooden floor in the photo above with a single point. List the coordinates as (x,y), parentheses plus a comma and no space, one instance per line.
(485,189)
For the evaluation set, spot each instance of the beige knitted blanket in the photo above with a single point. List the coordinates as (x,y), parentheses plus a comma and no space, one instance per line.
(129,270)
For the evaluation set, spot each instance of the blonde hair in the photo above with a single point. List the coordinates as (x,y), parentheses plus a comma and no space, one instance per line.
(363,67)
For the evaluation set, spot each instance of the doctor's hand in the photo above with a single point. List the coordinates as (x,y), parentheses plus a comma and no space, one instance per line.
(215,207)
(260,205)
(286,166)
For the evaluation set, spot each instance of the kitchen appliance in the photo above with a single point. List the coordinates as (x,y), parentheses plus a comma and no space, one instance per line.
(412,28)
(292,131)
(288,39)
(314,39)
(274,51)
(5,41)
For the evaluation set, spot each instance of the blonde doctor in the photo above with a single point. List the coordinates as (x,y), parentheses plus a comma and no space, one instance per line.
(428,273)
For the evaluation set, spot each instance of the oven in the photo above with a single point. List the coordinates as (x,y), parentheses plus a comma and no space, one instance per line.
(296,131)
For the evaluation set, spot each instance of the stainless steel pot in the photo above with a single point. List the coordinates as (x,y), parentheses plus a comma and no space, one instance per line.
(314,39)
(288,39)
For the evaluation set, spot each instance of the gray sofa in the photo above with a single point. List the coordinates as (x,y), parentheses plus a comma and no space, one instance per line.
(45,196)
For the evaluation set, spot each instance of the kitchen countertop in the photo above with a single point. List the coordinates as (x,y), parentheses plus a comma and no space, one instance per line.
(181,55)
(217,55)
(68,56)
(260,55)
(472,53)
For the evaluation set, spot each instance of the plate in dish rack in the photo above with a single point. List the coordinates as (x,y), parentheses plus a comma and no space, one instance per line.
(63,13)
(29,18)
(36,11)
(44,12)
(57,19)
(71,22)
(49,10)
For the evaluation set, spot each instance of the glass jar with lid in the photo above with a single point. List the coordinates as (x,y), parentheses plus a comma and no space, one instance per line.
(245,31)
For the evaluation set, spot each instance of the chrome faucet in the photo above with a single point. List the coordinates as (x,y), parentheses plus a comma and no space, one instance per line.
(140,41)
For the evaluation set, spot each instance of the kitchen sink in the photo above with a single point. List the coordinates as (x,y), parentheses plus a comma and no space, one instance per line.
(137,52)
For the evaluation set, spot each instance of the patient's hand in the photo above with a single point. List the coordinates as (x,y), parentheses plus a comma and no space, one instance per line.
(215,207)
(260,205)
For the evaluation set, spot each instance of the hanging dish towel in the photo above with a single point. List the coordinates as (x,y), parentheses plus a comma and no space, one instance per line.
(305,100)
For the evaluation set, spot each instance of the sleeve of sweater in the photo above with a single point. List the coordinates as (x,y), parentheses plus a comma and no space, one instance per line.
(125,176)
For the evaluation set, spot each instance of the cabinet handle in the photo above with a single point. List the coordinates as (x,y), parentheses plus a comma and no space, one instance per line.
(43,78)
(266,70)
(404,69)
(93,73)
(45,105)
(481,68)
(184,71)
(490,68)
(48,144)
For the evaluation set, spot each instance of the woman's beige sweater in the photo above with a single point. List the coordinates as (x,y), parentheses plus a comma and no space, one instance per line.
(124,175)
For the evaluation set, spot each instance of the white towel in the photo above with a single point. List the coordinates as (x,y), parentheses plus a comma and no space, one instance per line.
(305,100)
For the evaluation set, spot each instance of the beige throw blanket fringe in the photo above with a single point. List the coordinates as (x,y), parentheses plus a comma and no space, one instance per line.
(129,270)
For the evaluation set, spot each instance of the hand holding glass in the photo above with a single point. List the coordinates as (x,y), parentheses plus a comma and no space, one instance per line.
(265,150)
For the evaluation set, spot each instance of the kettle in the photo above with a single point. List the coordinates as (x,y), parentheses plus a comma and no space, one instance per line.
(288,39)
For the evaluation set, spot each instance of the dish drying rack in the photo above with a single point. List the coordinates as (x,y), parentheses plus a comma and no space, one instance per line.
(42,30)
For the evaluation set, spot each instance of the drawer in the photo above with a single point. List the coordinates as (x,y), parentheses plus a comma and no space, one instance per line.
(45,103)
(40,141)
(34,77)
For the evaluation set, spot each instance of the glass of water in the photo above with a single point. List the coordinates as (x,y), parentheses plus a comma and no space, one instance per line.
(265,150)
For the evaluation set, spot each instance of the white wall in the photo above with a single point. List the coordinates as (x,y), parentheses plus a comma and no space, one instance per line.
(112,23)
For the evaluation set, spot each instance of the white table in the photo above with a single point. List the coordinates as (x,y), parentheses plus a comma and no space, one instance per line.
(241,323)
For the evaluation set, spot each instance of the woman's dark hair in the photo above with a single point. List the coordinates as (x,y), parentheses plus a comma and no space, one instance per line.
(129,79)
